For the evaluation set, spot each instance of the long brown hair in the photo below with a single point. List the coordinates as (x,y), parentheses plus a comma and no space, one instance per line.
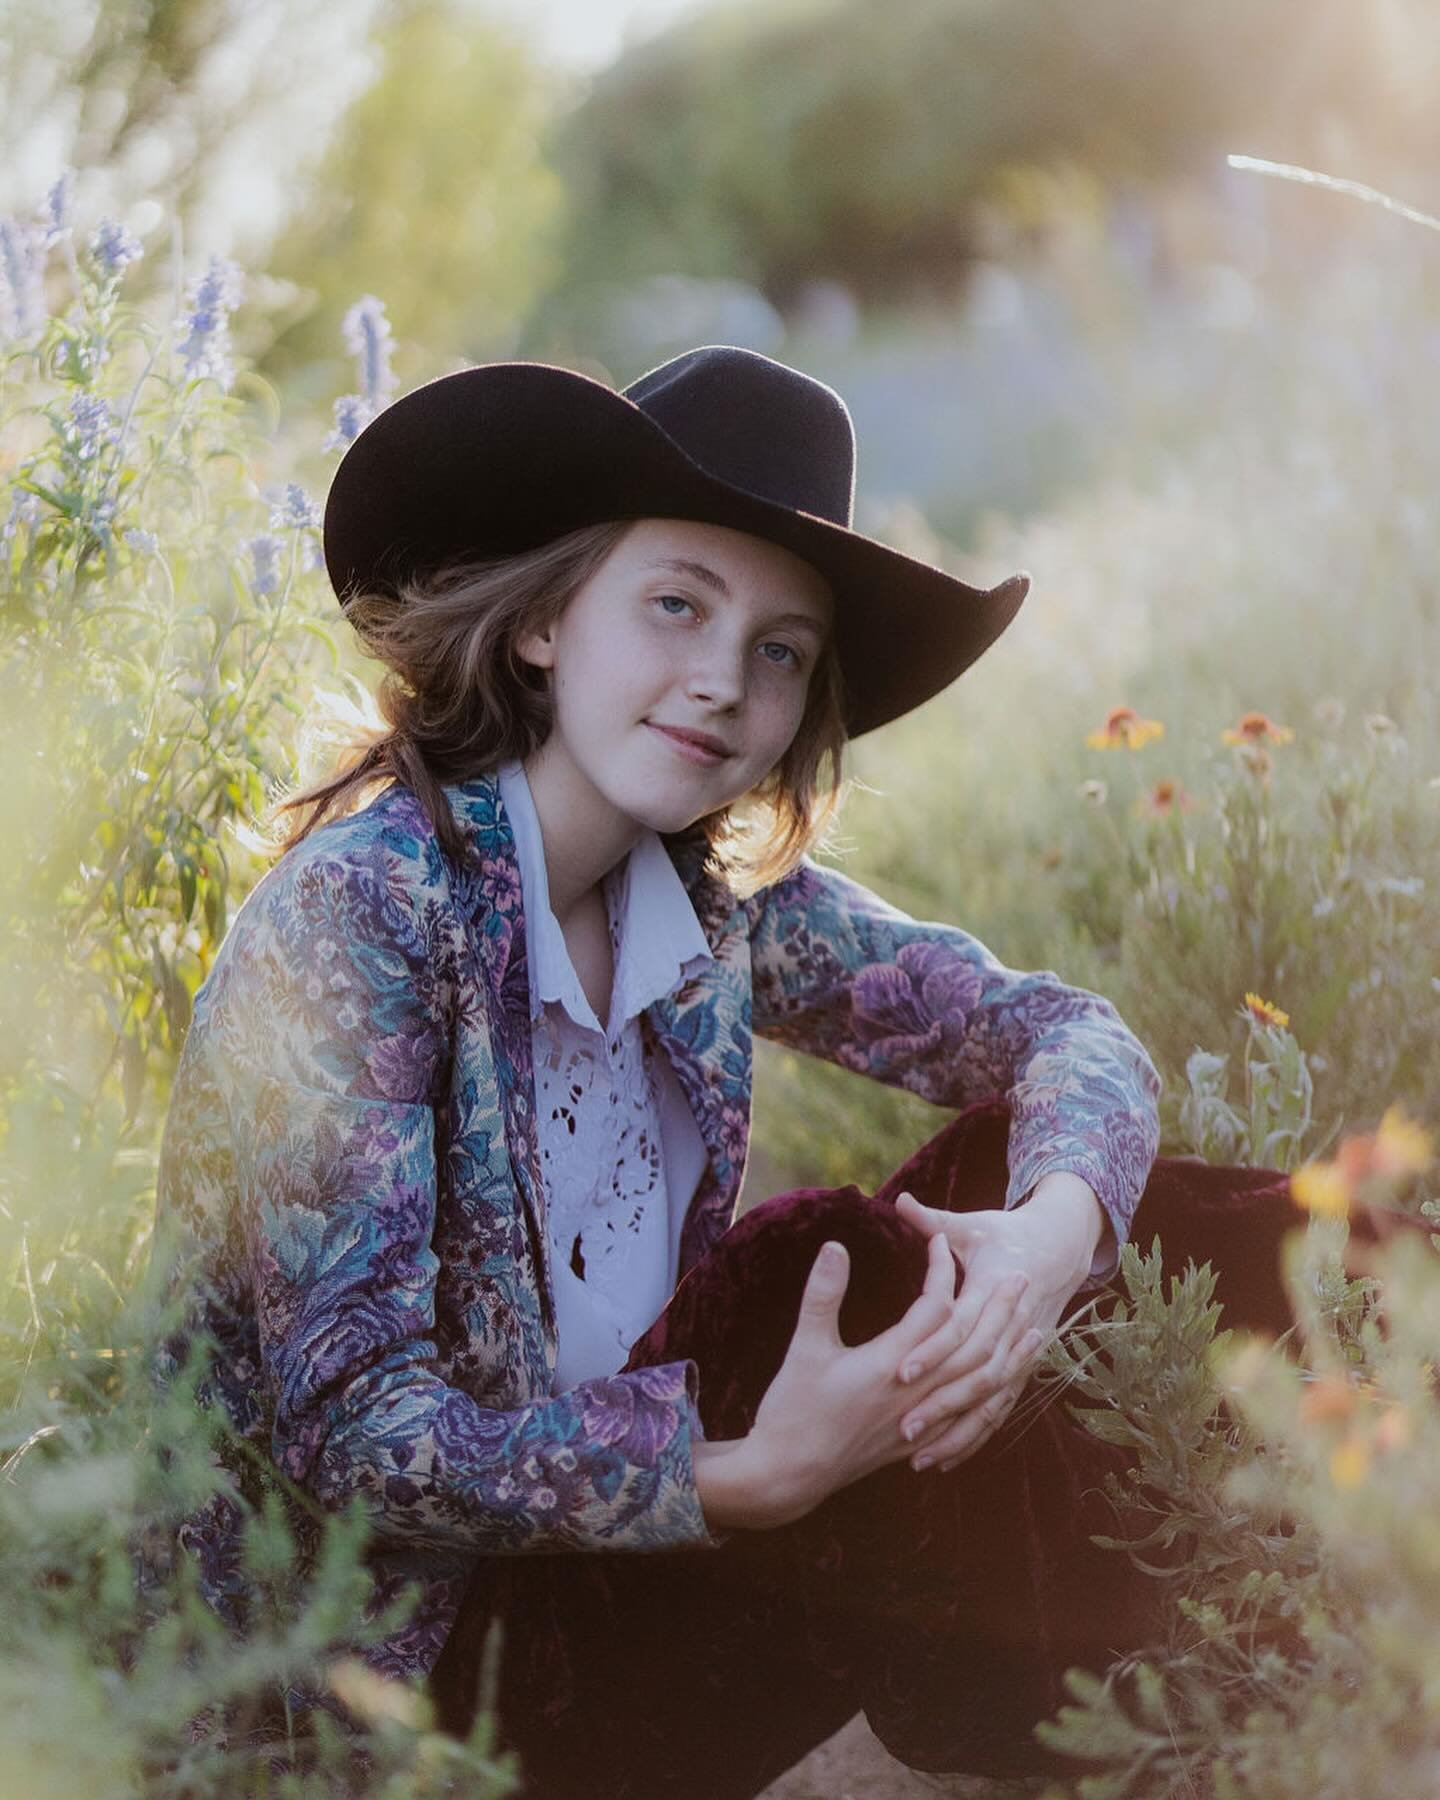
(456,701)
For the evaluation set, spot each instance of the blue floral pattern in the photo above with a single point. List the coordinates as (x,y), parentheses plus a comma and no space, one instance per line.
(350,1199)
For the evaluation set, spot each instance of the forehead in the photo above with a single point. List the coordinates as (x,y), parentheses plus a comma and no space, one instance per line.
(734,564)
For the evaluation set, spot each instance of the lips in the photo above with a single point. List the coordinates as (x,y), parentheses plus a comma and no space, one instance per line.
(700,741)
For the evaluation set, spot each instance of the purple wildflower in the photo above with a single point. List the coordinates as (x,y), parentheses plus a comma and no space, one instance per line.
(55,219)
(22,294)
(352,415)
(24,510)
(292,509)
(143,543)
(368,336)
(89,426)
(264,554)
(211,297)
(113,247)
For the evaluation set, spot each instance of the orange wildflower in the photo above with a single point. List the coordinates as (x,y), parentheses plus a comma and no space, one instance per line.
(1265,1012)
(1395,1429)
(1166,797)
(1399,1147)
(1256,728)
(1124,729)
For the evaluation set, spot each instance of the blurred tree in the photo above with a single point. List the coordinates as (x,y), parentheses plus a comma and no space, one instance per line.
(783,143)
(434,193)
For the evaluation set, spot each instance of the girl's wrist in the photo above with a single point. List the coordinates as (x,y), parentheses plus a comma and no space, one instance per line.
(741,1485)
(1071,1210)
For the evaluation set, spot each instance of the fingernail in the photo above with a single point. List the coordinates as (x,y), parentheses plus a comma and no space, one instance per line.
(913,1430)
(910,1371)
(947,1466)
(921,1462)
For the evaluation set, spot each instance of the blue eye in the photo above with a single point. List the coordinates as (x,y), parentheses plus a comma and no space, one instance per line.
(795,662)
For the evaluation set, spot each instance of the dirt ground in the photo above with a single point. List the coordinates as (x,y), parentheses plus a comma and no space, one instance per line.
(854,1765)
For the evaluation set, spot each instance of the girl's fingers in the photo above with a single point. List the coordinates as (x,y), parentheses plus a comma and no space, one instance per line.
(967,1434)
(929,1311)
(1007,1370)
(951,1334)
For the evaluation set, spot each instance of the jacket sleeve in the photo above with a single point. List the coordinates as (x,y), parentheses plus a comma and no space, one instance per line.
(329,1037)
(840,973)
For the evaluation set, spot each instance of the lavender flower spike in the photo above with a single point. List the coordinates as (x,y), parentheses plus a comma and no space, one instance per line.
(55,214)
(292,509)
(211,297)
(352,415)
(264,554)
(22,294)
(113,247)
(368,336)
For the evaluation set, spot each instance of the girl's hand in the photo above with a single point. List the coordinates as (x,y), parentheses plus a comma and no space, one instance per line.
(833,1413)
(966,1380)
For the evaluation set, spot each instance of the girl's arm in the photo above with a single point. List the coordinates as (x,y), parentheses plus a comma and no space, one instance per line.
(322,1036)
(842,974)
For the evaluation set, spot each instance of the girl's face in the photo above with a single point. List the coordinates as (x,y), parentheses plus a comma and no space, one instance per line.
(724,647)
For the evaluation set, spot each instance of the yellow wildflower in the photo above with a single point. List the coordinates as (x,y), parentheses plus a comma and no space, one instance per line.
(1349,1462)
(1124,729)
(1320,1187)
(1265,1012)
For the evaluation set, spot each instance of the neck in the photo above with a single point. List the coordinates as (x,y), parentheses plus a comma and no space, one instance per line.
(584,836)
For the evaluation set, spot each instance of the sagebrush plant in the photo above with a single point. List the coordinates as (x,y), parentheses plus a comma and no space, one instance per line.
(161,619)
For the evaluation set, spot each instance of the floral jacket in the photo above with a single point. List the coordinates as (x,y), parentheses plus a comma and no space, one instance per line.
(350,1202)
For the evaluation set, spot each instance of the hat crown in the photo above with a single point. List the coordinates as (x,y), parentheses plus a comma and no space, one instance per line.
(772,430)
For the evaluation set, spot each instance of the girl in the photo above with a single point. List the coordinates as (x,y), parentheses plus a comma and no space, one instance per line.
(458,1131)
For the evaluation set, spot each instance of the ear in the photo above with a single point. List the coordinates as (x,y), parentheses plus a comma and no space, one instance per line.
(537,648)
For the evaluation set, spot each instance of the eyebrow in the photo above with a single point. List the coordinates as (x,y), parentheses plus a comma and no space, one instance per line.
(702,572)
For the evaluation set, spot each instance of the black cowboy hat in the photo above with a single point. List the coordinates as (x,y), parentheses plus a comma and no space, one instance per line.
(505,456)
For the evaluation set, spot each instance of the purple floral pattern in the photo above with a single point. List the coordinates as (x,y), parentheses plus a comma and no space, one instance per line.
(350,1199)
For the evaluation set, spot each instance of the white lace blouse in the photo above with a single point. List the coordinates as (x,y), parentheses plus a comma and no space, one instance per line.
(620,1153)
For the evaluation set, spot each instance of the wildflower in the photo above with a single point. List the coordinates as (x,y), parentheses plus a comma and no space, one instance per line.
(264,554)
(1398,1148)
(113,247)
(292,509)
(368,336)
(1166,797)
(1321,1188)
(89,426)
(55,220)
(211,297)
(1265,1012)
(1350,1463)
(1124,729)
(1255,728)
(351,417)
(143,543)
(1094,792)
(24,510)
(22,296)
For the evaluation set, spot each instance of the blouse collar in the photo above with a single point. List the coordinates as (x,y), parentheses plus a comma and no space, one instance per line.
(661,941)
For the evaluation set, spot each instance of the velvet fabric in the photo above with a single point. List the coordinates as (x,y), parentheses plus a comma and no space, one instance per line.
(946,1606)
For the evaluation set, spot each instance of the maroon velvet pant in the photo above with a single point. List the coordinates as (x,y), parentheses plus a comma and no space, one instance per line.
(945,1606)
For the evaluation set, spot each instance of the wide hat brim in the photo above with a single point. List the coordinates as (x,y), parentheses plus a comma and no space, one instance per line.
(503,457)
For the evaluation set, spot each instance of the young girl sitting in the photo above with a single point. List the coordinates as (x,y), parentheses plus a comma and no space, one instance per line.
(457,1135)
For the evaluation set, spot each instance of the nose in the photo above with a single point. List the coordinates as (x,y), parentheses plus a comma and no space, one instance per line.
(717,674)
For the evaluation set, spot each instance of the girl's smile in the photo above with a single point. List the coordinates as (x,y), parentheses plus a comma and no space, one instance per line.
(695,746)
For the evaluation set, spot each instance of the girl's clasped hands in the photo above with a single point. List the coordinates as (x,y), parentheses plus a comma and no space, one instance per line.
(938,1383)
